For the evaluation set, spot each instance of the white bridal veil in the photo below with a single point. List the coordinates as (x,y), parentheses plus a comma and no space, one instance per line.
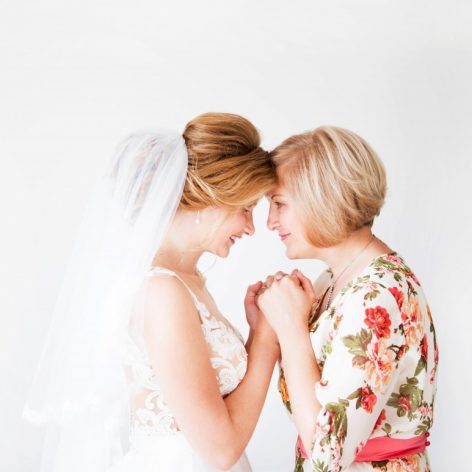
(80,388)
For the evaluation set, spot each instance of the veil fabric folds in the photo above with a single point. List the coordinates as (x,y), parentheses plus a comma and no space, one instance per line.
(80,389)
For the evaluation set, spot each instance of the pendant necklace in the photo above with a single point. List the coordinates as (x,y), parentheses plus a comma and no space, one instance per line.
(331,287)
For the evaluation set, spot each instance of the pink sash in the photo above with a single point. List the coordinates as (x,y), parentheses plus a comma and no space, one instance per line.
(384,448)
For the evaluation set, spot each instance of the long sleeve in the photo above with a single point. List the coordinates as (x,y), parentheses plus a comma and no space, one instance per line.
(362,348)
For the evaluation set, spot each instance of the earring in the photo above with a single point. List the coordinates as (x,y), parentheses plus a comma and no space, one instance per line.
(197,218)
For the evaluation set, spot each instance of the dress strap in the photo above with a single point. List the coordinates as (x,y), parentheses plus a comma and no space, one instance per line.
(201,308)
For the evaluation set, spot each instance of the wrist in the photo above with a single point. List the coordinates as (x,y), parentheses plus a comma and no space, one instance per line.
(266,337)
(293,334)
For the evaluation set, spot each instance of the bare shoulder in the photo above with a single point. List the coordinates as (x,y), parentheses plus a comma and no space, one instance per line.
(167,298)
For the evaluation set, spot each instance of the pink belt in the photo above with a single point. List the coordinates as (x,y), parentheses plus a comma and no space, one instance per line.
(384,448)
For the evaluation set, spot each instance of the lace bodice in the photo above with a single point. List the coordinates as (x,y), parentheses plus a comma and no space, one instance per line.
(149,411)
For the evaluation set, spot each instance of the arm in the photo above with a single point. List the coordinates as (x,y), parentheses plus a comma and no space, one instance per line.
(287,305)
(359,373)
(252,311)
(300,366)
(249,339)
(218,430)
(245,403)
(301,375)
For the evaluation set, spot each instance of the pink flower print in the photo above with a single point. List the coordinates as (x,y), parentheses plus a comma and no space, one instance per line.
(368,399)
(412,319)
(379,320)
(379,365)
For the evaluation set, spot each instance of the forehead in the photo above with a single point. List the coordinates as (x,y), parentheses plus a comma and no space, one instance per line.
(279,192)
(280,189)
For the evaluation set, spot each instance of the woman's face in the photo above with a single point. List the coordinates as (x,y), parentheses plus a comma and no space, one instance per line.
(284,218)
(226,228)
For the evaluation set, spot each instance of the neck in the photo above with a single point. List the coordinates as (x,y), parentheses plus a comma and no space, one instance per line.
(177,260)
(339,256)
(178,251)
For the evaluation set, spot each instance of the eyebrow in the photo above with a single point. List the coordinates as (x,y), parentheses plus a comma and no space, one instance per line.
(276,195)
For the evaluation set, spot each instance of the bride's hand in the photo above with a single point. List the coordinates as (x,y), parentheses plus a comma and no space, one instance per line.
(254,316)
(287,302)
(250,304)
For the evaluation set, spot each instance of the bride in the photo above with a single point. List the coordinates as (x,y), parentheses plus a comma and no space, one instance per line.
(141,372)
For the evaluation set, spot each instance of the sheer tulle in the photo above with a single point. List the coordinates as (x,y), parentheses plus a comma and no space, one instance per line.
(80,390)
(171,453)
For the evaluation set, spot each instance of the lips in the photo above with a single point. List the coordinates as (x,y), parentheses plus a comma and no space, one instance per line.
(233,239)
(283,237)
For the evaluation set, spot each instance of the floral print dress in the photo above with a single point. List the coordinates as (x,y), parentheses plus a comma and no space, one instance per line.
(377,352)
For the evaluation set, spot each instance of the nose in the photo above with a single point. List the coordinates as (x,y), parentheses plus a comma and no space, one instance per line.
(272,220)
(249,228)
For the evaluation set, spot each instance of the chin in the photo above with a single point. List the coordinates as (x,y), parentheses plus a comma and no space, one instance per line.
(290,253)
(222,252)
(293,253)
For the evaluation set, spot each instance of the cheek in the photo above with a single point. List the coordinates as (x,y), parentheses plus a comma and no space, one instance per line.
(293,224)
(288,219)
(237,224)
(229,227)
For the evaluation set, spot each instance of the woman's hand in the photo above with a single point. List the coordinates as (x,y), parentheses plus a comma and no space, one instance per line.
(250,305)
(286,301)
(255,318)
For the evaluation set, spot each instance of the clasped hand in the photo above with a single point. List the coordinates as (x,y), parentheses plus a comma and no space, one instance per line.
(283,300)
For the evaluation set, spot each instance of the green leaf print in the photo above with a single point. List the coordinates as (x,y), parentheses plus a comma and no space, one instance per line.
(356,394)
(408,399)
(424,427)
(383,263)
(357,284)
(319,466)
(299,464)
(411,290)
(421,365)
(357,345)
(338,418)
(371,295)
(387,427)
(327,349)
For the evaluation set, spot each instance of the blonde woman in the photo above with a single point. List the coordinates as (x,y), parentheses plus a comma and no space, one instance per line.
(359,352)
(142,372)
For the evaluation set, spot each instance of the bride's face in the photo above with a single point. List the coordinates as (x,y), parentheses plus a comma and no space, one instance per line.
(225,228)
(285,219)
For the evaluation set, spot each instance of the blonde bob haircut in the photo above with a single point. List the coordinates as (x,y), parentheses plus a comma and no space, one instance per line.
(337,179)
(227,167)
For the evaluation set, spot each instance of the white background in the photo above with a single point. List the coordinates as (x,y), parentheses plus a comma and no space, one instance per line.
(76,77)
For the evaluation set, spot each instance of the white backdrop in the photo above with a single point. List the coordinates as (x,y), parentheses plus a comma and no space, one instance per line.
(76,77)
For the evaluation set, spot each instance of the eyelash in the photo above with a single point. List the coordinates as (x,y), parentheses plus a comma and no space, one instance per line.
(278,205)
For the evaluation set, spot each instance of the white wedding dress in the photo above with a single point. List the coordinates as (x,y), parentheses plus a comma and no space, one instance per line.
(156,444)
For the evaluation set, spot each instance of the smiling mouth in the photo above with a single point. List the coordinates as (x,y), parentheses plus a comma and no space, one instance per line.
(283,237)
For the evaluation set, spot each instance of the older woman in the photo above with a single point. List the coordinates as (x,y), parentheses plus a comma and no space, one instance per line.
(359,353)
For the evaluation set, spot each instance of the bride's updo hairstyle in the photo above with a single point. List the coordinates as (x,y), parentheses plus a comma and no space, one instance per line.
(337,179)
(227,168)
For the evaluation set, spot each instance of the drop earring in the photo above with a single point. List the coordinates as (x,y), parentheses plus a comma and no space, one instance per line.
(197,218)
